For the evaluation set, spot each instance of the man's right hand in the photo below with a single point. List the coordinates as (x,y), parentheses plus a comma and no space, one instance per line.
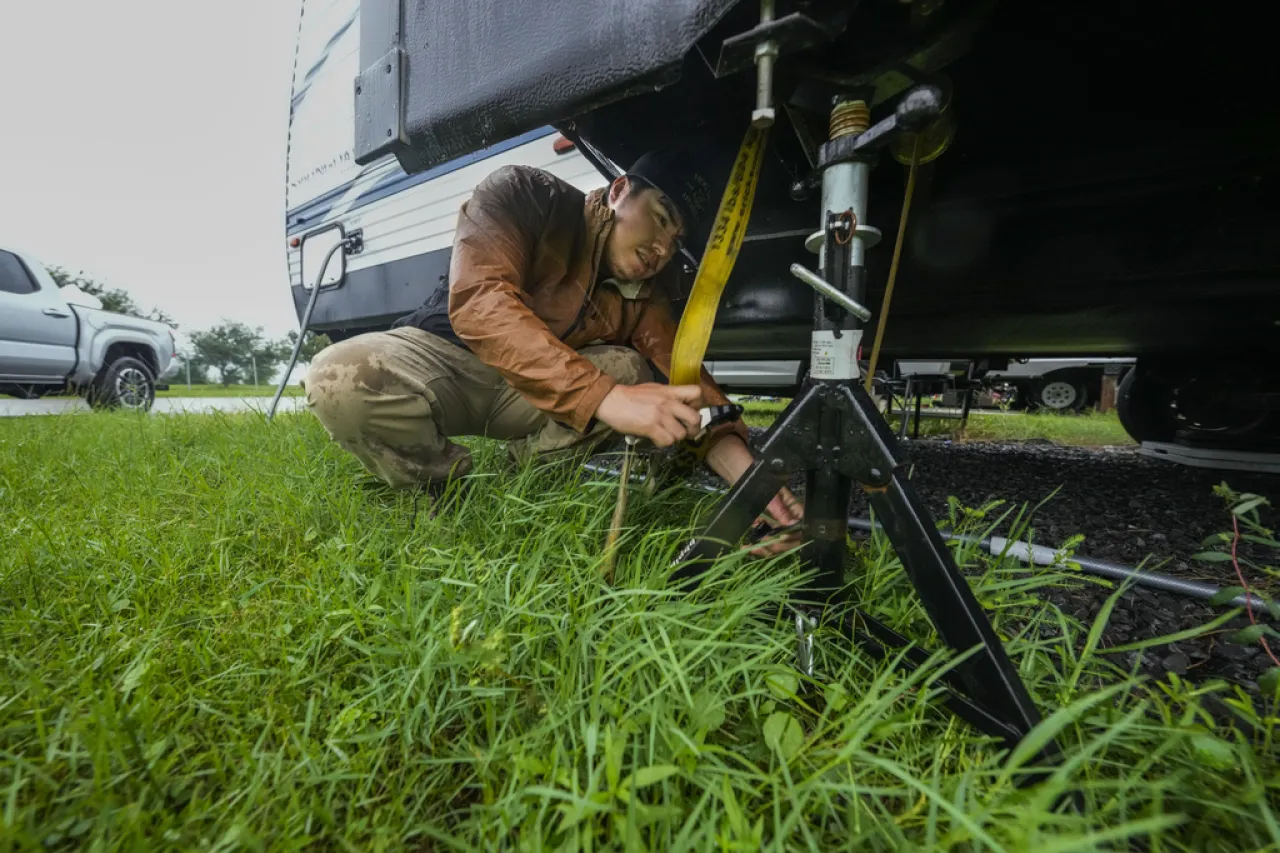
(664,414)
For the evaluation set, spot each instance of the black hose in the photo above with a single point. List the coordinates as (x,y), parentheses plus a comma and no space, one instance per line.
(1043,556)
(302,333)
(1040,555)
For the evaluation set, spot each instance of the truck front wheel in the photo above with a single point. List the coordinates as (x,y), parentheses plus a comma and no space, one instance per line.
(125,383)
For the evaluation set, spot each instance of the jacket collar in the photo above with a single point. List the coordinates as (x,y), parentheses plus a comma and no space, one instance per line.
(599,221)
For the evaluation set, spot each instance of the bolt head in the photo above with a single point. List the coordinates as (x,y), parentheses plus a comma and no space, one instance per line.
(919,106)
(776,463)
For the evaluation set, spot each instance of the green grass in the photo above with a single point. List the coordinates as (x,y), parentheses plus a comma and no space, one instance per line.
(180,389)
(213,637)
(1087,429)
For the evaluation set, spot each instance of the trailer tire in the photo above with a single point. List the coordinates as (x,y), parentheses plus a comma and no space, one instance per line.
(1060,391)
(1142,404)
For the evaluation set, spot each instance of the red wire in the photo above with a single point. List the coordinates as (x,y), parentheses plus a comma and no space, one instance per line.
(847,217)
(1248,604)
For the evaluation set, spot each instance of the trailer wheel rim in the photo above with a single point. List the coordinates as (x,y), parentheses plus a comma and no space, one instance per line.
(132,388)
(1058,394)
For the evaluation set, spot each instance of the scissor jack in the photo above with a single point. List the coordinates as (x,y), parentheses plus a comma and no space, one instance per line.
(835,434)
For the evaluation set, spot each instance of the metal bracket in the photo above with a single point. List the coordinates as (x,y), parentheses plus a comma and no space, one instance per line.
(790,32)
(379,115)
(917,108)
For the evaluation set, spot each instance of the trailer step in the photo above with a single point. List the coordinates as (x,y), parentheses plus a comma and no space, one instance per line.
(1206,457)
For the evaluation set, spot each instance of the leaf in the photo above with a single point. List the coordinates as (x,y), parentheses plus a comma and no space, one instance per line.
(1269,681)
(1213,751)
(614,743)
(708,711)
(156,749)
(737,821)
(782,685)
(133,676)
(1095,630)
(1212,557)
(646,814)
(783,734)
(572,814)
(1050,727)
(1225,594)
(837,697)
(1187,634)
(1247,636)
(532,764)
(1247,505)
(1214,538)
(646,776)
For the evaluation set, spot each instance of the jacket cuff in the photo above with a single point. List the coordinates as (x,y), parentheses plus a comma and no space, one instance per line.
(584,413)
(717,434)
(722,431)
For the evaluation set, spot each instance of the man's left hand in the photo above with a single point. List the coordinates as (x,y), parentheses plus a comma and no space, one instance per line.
(785,510)
(730,458)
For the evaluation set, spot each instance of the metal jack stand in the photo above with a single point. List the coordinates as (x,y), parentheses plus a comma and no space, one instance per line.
(834,432)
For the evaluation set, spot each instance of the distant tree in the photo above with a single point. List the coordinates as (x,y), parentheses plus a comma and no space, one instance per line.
(113,298)
(230,349)
(311,345)
(191,366)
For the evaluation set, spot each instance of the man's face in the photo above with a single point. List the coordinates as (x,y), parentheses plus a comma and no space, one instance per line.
(646,231)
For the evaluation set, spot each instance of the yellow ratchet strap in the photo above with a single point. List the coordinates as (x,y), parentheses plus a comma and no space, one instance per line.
(694,331)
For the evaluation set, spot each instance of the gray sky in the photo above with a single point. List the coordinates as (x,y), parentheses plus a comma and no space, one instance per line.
(143,141)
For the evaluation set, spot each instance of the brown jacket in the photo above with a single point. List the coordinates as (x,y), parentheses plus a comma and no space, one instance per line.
(524,294)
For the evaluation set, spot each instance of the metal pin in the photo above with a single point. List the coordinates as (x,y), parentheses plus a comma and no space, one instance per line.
(840,298)
(804,648)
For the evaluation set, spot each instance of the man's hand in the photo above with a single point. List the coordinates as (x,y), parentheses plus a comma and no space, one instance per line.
(730,458)
(664,414)
(783,511)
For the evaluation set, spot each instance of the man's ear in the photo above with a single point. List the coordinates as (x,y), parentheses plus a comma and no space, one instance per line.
(620,187)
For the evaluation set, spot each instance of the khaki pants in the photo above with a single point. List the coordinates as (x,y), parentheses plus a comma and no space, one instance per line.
(393,399)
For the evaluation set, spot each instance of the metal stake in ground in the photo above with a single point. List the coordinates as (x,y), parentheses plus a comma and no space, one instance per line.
(710,416)
(619,510)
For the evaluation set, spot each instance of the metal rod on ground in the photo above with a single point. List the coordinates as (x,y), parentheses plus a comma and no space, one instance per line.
(302,333)
(1043,556)
(619,510)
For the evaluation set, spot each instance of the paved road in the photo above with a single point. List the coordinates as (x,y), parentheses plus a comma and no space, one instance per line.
(10,407)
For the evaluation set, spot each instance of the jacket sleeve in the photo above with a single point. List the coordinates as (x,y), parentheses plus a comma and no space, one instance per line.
(494,245)
(655,335)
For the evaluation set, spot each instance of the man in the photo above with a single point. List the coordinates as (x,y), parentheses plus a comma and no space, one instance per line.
(557,316)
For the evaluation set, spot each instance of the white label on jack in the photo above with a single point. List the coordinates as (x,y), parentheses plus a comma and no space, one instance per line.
(834,358)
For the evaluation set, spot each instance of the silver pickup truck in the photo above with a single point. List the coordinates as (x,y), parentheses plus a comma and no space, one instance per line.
(58,339)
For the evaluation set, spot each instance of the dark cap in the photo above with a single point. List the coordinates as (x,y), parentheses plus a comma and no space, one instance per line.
(692,180)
